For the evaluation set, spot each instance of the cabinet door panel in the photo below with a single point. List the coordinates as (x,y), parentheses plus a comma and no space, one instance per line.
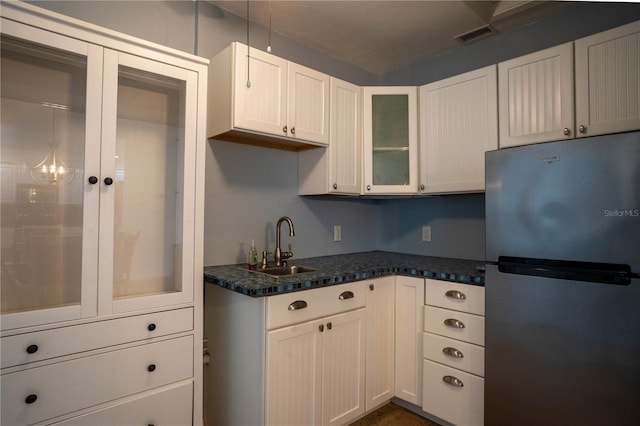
(308,104)
(343,368)
(409,307)
(608,81)
(294,375)
(381,321)
(458,124)
(346,142)
(390,140)
(536,97)
(260,105)
(49,145)
(148,211)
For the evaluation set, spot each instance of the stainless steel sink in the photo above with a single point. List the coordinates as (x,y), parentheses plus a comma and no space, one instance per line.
(286,270)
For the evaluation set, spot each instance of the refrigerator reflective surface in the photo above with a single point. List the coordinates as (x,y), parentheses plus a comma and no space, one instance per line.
(563,283)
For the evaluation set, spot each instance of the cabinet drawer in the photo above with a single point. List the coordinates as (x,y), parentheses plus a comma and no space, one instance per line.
(292,308)
(459,297)
(457,325)
(462,405)
(163,407)
(85,337)
(454,353)
(68,386)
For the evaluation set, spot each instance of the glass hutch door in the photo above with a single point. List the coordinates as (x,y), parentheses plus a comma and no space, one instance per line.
(147,208)
(391,140)
(50,130)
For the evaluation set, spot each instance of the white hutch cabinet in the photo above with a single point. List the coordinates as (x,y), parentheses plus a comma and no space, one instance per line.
(101,152)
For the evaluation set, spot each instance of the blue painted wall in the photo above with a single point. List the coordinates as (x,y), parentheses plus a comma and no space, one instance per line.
(249,188)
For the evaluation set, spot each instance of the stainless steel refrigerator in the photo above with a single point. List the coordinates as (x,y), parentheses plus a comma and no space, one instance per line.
(563,283)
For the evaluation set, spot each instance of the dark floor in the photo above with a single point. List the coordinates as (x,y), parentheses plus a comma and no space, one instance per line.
(393,415)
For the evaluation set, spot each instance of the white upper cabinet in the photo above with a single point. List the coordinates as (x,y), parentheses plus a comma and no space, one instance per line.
(608,81)
(258,98)
(336,169)
(536,97)
(458,124)
(390,146)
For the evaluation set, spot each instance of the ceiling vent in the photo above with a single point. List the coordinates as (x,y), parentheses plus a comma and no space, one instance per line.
(475,35)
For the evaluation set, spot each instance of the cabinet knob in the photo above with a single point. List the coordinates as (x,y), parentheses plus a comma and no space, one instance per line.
(335,186)
(582,128)
(450,322)
(284,129)
(108,181)
(368,187)
(32,349)
(293,130)
(151,327)
(329,325)
(93,180)
(453,381)
(31,398)
(151,368)
(566,131)
(321,328)
(371,287)
(422,187)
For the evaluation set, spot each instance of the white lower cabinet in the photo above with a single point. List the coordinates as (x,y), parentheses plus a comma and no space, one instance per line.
(453,349)
(315,371)
(453,395)
(408,364)
(381,334)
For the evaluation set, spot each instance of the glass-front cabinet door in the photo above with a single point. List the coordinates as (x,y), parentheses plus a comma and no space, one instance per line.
(147,203)
(50,135)
(390,140)
(96,200)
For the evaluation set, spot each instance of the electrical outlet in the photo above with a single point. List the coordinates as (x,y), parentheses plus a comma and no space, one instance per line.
(337,233)
(426,233)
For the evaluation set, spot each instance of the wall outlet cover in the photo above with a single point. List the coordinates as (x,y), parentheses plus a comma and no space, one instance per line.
(426,233)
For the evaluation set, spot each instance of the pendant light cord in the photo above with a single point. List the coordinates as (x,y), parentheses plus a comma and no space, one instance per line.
(248,58)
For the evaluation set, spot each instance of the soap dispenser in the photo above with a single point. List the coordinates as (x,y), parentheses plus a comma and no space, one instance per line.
(253,256)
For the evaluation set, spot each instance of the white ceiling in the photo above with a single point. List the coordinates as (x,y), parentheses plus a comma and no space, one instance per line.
(383,36)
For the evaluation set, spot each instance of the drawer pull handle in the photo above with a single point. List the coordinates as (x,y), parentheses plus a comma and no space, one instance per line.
(452,352)
(453,381)
(321,328)
(455,294)
(31,398)
(450,322)
(151,368)
(151,327)
(329,325)
(32,349)
(298,304)
(346,295)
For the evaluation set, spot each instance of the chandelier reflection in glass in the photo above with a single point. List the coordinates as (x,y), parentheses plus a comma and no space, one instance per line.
(52,170)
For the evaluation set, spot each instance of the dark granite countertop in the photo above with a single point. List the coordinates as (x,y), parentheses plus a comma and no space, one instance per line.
(344,268)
